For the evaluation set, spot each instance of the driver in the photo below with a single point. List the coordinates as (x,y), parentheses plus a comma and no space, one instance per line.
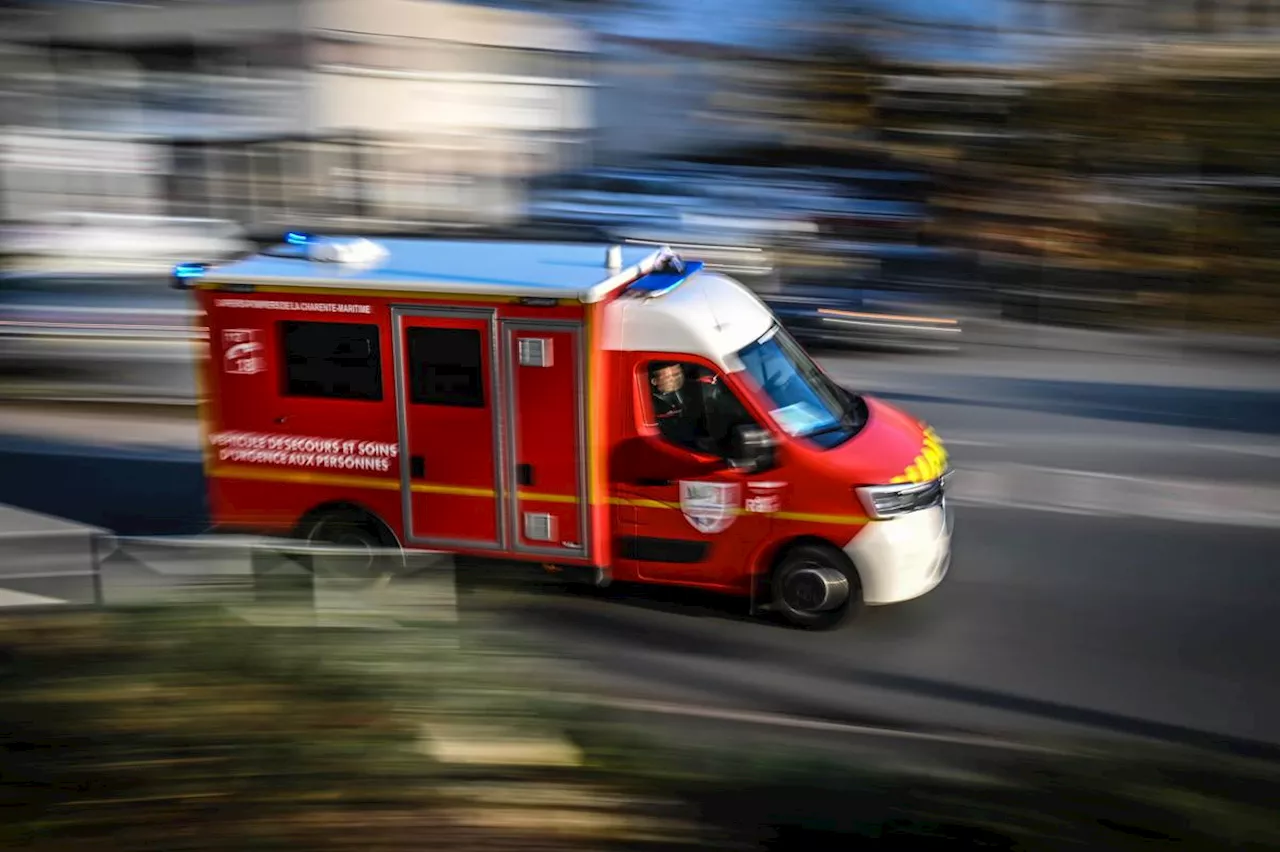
(670,405)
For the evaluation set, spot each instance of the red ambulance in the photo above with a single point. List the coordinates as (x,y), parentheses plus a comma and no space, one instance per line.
(613,411)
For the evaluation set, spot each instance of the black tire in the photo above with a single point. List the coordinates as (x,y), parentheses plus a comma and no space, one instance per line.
(352,528)
(821,556)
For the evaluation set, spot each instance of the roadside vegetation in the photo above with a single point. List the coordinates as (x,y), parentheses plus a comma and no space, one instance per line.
(181,728)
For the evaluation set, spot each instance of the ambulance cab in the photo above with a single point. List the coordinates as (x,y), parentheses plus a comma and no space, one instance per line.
(616,412)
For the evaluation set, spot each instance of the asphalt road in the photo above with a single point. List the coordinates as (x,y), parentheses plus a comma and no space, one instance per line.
(1065,615)
(1046,622)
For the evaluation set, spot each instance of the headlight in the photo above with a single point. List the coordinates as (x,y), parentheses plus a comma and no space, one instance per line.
(890,501)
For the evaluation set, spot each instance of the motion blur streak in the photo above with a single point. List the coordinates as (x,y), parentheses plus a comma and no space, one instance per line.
(1046,227)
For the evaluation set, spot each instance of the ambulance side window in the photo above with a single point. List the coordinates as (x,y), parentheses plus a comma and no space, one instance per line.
(333,360)
(693,407)
(446,367)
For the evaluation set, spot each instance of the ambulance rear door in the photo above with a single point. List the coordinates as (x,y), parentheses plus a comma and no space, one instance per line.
(449,409)
(546,438)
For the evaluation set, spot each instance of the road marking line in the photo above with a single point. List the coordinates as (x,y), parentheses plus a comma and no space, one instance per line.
(1145,443)
(783,721)
(1271,452)
(1100,493)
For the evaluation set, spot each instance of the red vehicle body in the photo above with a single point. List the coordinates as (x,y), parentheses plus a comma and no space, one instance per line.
(500,400)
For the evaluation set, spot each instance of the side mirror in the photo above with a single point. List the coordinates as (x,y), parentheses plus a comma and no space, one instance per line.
(752,449)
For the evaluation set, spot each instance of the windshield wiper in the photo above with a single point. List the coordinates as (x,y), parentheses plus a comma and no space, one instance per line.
(849,419)
(848,404)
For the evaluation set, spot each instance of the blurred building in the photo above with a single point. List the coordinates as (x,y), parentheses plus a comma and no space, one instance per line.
(1127,19)
(950,107)
(268,111)
(663,97)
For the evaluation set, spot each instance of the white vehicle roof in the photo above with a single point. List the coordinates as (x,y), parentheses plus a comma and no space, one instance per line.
(524,269)
(708,314)
(686,311)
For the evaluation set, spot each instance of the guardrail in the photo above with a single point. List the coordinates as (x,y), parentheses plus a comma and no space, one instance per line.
(326,584)
(63,564)
(50,561)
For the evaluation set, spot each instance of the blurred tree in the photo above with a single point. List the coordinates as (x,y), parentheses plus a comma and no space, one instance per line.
(1153,131)
(574,6)
(180,729)
(823,93)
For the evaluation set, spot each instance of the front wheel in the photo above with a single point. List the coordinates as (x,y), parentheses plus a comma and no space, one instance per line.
(816,587)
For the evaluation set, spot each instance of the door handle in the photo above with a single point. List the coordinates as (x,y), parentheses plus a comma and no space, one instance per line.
(417,467)
(646,481)
(524,474)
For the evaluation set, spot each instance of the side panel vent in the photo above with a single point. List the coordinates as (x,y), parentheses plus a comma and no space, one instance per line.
(539,526)
(535,352)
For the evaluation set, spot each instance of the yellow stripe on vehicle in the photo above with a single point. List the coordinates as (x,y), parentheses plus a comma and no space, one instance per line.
(547,498)
(808,517)
(813,518)
(299,477)
(641,503)
(451,490)
(342,481)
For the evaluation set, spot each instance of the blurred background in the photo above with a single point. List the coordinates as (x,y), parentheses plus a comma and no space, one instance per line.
(949,170)
(1049,227)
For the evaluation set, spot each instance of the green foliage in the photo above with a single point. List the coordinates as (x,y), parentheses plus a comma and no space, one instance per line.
(187,729)
(1064,797)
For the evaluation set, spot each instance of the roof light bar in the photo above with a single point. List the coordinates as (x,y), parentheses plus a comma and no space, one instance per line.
(662,281)
(357,252)
(668,261)
(184,273)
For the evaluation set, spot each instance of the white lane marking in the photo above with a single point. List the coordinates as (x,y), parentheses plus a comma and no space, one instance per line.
(777,720)
(1140,443)
(1271,451)
(1096,493)
(965,442)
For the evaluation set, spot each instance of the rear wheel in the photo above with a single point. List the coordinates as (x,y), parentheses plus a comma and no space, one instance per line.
(363,540)
(816,587)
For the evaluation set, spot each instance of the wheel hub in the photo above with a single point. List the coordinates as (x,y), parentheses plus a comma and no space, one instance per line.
(814,588)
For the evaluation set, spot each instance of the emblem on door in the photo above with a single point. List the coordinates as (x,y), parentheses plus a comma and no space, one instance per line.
(710,507)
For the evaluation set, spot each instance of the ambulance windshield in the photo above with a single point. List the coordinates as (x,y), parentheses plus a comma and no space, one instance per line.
(805,403)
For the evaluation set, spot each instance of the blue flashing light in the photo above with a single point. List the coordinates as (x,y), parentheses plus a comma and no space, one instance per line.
(297,238)
(661,283)
(184,273)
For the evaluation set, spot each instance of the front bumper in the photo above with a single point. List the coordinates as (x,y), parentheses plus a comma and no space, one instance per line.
(905,557)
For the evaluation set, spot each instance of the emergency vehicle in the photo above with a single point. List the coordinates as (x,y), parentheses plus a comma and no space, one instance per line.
(615,411)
